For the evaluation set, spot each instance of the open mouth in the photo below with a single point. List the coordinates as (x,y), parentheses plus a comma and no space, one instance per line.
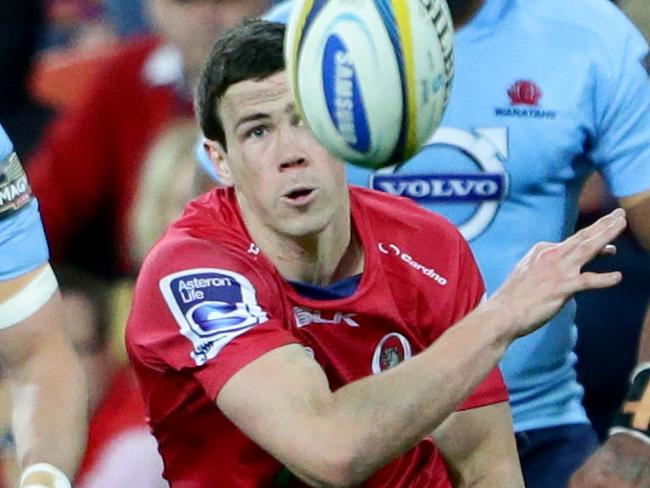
(295,194)
(300,195)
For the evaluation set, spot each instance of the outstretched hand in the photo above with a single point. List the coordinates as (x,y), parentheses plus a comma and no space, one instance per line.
(551,273)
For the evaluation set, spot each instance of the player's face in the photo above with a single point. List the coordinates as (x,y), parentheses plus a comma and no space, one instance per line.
(284,178)
(193,25)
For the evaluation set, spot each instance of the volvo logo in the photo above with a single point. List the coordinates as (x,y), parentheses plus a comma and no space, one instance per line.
(487,148)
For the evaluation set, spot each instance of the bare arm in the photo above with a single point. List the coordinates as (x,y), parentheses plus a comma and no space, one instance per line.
(47,385)
(638,211)
(479,447)
(341,438)
(624,461)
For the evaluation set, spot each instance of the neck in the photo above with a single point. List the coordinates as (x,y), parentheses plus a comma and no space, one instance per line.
(462,11)
(322,258)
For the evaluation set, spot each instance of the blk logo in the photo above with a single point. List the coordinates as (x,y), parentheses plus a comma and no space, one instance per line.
(306,317)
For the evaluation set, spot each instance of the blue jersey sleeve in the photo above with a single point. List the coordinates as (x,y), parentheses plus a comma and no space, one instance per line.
(23,247)
(280,12)
(622,111)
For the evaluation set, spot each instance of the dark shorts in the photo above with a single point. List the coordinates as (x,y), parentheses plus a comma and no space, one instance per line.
(550,456)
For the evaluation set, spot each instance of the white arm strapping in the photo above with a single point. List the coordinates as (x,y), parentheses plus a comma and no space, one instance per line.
(59,479)
(28,300)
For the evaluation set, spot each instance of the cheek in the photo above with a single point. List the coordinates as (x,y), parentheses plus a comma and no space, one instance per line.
(334,168)
(253,178)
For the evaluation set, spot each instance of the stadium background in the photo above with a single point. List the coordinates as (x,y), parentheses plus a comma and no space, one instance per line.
(53,52)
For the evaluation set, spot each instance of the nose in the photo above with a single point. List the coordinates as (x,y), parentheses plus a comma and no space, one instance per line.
(294,162)
(291,149)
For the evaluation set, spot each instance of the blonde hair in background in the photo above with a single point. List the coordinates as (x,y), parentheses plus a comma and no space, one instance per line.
(170,178)
(639,12)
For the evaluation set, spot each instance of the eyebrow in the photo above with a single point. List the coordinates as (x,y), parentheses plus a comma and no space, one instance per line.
(290,108)
(251,118)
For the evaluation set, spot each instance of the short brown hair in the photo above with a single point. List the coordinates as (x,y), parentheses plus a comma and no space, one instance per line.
(251,51)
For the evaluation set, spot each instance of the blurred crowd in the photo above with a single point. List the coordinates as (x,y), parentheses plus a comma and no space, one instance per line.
(97,97)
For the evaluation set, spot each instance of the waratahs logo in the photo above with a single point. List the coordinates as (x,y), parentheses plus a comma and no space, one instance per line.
(343,96)
(525,96)
(212,307)
(525,92)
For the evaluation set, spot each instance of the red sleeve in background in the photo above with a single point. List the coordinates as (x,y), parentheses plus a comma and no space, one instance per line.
(89,161)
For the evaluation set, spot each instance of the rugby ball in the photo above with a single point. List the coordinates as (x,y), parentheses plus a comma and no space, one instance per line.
(370,77)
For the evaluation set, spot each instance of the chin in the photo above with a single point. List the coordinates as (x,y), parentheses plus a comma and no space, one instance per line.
(304,226)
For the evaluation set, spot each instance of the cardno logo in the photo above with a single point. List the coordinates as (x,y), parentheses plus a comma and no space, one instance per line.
(392,249)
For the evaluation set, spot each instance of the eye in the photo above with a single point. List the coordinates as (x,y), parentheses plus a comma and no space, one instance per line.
(255,132)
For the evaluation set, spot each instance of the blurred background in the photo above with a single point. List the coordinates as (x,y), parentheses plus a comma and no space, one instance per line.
(97,97)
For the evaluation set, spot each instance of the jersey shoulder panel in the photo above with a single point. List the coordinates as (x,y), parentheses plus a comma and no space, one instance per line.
(418,247)
(389,215)
(598,21)
(203,303)
(618,82)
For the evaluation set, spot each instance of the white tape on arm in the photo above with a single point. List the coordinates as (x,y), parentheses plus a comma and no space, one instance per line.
(28,300)
(58,478)
(632,418)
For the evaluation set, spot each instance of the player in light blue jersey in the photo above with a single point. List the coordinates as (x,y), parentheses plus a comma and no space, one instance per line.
(545,93)
(47,383)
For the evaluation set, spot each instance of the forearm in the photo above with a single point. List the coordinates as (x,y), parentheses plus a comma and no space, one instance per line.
(48,390)
(479,448)
(501,475)
(49,412)
(341,438)
(412,399)
(622,461)
(638,210)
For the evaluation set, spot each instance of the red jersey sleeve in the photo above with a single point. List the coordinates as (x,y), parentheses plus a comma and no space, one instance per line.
(205,310)
(470,290)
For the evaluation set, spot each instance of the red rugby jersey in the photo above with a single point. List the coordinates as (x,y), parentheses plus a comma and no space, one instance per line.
(208,302)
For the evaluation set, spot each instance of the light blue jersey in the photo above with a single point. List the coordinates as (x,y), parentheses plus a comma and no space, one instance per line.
(545,93)
(22,241)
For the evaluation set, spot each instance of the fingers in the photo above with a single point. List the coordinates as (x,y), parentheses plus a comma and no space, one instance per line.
(594,240)
(608,250)
(591,281)
(597,227)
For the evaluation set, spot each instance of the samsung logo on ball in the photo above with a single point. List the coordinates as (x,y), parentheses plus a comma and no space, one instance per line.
(443,187)
(343,96)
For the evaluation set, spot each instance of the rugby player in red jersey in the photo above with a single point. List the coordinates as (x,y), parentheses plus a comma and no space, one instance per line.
(290,330)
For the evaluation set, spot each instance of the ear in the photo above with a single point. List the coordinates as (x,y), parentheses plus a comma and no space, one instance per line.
(219,159)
